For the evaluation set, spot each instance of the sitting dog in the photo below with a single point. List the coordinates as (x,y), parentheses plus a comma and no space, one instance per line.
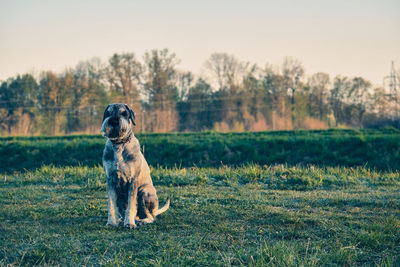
(131,194)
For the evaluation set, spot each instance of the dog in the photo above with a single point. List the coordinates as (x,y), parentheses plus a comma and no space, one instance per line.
(131,195)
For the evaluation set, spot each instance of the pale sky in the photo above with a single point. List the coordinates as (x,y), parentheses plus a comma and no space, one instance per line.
(346,37)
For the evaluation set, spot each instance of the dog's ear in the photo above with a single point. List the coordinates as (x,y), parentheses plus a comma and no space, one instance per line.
(104,116)
(131,114)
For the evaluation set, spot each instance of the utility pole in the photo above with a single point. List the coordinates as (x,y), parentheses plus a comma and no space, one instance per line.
(393,81)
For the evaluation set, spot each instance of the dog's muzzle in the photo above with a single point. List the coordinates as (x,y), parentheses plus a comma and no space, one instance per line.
(115,128)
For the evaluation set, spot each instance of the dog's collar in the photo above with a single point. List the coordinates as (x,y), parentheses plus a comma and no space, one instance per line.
(118,141)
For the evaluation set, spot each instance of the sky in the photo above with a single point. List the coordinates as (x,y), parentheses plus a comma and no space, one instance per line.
(339,37)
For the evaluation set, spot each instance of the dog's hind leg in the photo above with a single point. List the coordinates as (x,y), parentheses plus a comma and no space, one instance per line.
(149,217)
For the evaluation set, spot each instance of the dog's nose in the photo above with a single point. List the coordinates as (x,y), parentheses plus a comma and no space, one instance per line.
(113,122)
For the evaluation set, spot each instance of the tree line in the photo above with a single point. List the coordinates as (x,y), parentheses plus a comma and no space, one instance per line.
(231,95)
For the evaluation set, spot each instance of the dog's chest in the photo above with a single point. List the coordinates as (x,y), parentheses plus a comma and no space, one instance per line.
(118,164)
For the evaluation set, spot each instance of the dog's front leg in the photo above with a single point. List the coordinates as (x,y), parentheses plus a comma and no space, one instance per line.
(131,211)
(113,213)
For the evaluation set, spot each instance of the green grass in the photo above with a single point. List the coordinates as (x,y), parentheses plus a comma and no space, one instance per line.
(249,215)
(378,149)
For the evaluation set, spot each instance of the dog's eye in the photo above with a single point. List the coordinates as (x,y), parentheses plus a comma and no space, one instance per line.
(124,113)
(107,114)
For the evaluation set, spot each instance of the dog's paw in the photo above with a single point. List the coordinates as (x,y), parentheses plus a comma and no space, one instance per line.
(130,225)
(144,221)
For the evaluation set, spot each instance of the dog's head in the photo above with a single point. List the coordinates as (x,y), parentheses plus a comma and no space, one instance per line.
(116,121)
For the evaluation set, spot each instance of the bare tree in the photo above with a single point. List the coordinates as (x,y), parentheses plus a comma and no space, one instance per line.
(358,97)
(227,71)
(318,94)
(185,80)
(160,87)
(92,68)
(292,71)
(123,75)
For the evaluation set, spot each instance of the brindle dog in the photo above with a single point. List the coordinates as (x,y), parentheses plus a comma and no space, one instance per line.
(131,194)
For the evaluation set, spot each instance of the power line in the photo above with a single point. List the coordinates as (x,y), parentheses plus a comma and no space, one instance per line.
(208,98)
(177,110)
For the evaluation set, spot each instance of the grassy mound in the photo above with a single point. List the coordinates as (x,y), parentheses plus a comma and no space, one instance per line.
(378,149)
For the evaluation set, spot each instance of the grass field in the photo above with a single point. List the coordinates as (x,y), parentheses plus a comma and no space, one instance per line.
(248,215)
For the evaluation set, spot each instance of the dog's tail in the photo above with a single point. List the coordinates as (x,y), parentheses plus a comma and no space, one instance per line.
(163,209)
